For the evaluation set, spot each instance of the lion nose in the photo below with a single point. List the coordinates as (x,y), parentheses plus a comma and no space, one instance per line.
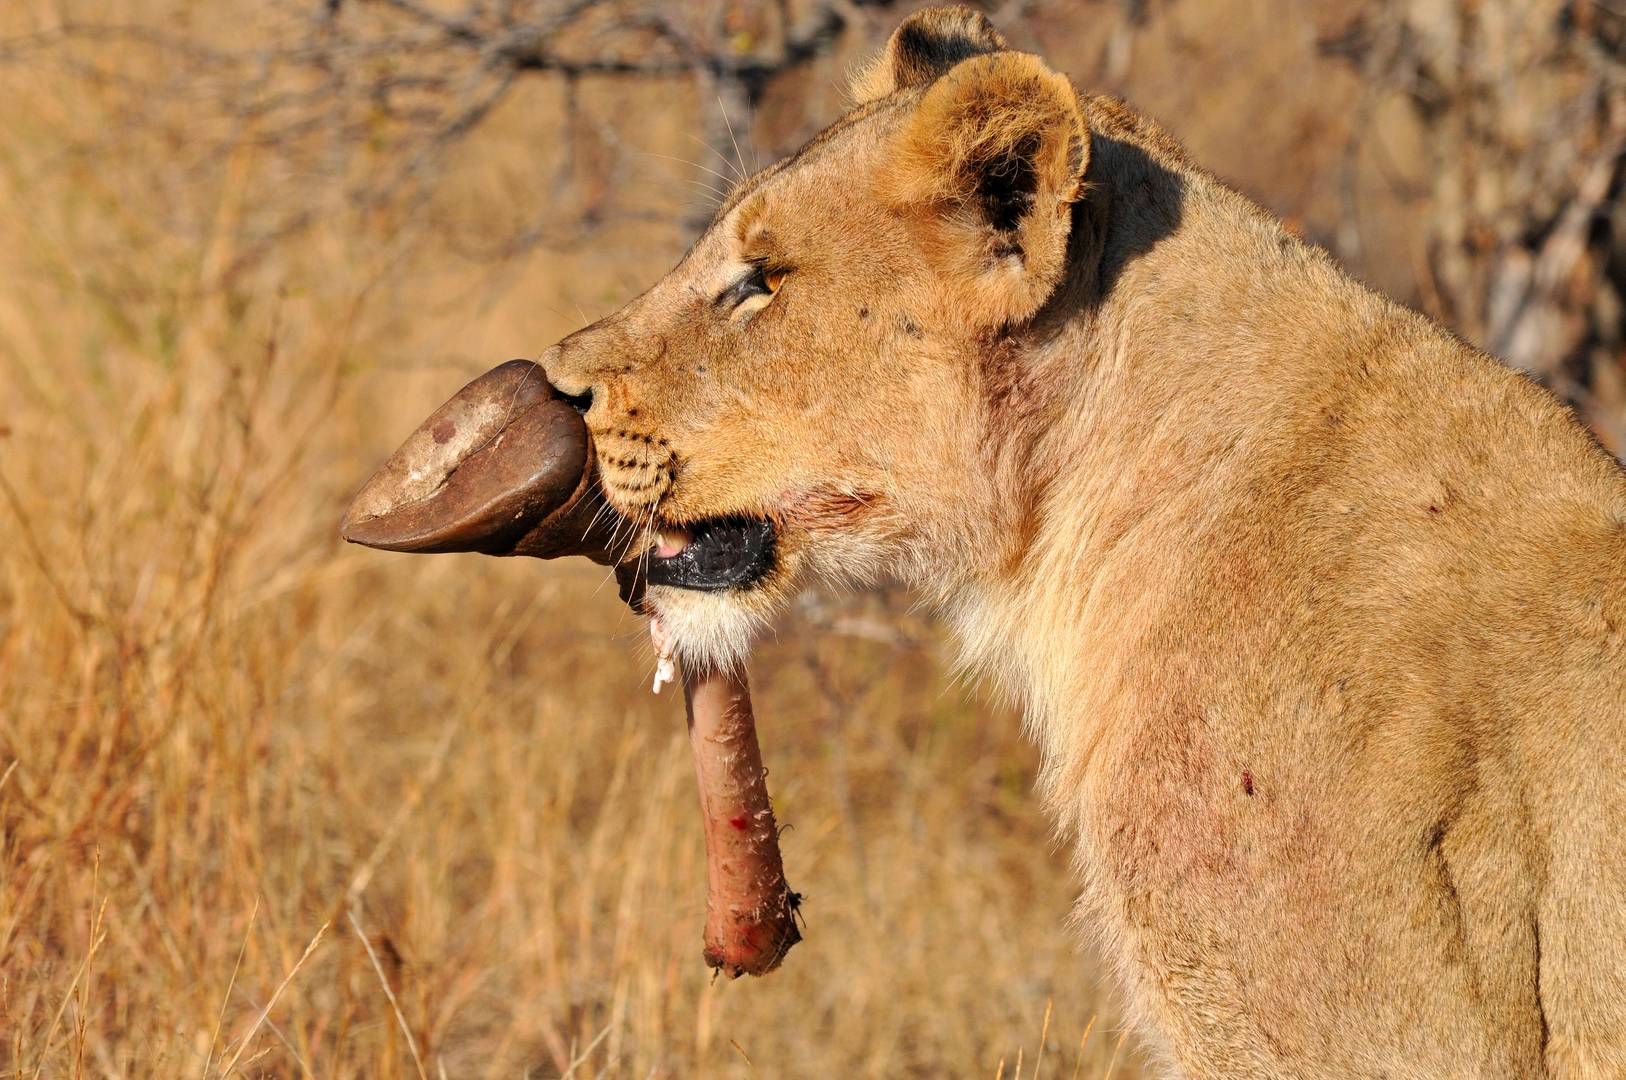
(578,394)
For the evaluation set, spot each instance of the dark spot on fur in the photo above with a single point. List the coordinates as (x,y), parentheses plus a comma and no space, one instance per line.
(444,431)
(1447,881)
(632,412)
(863,313)
(910,327)
(1247,782)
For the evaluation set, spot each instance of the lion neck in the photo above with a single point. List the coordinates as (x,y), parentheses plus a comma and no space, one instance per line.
(1113,437)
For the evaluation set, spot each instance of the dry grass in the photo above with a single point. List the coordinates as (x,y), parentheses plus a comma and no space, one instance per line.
(272,807)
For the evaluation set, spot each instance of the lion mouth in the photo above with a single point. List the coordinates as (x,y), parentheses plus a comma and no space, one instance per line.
(713,555)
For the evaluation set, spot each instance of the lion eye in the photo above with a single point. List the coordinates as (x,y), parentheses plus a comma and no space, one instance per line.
(752,292)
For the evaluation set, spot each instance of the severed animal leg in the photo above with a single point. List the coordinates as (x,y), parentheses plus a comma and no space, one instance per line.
(750,910)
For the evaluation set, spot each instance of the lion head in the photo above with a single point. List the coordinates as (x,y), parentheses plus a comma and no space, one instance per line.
(817,388)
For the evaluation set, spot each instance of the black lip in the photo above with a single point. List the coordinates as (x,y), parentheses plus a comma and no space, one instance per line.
(727,553)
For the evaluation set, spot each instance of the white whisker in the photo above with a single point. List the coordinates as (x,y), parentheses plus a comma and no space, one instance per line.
(729,180)
(720,155)
(729,124)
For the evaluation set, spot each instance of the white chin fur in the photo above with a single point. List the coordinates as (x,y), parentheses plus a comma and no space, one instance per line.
(707,629)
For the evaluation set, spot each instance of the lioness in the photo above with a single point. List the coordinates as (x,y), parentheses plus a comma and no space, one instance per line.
(1318,613)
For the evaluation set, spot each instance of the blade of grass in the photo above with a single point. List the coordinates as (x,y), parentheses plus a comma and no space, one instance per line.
(265,1012)
(1112,1066)
(214,1036)
(1044,1033)
(56,1018)
(395,1006)
(1078,1065)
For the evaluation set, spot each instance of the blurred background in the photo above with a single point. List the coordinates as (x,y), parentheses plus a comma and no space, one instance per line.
(270,807)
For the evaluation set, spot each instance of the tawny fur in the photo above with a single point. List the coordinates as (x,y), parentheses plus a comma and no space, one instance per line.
(1318,614)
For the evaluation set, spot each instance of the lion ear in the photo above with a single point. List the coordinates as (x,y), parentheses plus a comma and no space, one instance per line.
(924,46)
(993,158)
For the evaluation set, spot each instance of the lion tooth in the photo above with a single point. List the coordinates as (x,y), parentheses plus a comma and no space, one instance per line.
(665,672)
(665,669)
(671,542)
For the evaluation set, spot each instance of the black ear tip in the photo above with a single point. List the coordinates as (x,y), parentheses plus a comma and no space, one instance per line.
(930,42)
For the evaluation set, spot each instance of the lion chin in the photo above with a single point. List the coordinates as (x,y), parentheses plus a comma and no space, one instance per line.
(711,586)
(708,630)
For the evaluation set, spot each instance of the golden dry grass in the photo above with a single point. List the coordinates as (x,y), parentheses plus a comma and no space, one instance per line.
(272,807)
